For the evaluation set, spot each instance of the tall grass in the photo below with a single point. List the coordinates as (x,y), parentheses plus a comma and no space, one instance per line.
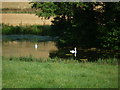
(22,74)
(33,59)
(30,58)
(34,29)
(113,61)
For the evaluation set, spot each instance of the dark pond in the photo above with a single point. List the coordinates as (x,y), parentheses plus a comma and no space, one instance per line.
(91,54)
(24,45)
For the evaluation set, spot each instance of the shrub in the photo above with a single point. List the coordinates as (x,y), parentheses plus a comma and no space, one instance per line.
(34,29)
(108,61)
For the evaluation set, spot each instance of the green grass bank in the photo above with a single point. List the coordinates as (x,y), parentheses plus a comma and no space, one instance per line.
(28,29)
(57,73)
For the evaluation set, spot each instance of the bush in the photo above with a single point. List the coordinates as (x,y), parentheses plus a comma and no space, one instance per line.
(35,29)
(109,38)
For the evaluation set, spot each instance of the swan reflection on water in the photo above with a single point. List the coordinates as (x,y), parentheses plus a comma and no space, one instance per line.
(26,48)
(36,46)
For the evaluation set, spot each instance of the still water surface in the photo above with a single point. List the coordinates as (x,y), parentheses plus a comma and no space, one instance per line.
(24,45)
(26,48)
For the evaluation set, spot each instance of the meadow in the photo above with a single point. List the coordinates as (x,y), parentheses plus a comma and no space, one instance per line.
(28,72)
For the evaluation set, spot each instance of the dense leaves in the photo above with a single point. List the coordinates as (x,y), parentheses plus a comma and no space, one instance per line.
(44,9)
(84,24)
(109,30)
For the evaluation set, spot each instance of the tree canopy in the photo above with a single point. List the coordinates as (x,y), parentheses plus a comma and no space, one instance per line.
(94,24)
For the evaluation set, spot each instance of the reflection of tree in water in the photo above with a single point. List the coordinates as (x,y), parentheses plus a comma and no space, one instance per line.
(89,54)
(84,25)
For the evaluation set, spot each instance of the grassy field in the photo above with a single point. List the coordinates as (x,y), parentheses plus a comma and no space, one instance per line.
(64,74)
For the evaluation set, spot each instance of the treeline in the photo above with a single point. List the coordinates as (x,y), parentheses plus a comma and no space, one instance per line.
(94,24)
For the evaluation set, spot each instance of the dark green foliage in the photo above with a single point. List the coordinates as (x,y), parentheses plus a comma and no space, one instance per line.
(35,29)
(81,24)
(44,9)
(109,38)
(77,25)
(109,30)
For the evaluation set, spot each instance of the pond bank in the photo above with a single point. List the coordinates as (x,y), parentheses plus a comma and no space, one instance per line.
(43,30)
(24,45)
(36,38)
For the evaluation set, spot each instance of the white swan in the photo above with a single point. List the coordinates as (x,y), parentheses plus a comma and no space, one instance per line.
(74,51)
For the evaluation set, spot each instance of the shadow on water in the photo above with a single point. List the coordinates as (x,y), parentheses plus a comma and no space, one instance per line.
(23,45)
(91,54)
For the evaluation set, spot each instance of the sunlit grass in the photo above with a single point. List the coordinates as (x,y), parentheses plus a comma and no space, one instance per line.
(34,74)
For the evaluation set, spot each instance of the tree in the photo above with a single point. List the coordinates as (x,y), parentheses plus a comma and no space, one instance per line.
(45,9)
(109,29)
(83,24)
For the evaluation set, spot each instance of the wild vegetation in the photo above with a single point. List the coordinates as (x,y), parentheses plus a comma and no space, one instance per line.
(29,72)
(93,24)
(83,24)
(77,25)
(28,29)
(110,61)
